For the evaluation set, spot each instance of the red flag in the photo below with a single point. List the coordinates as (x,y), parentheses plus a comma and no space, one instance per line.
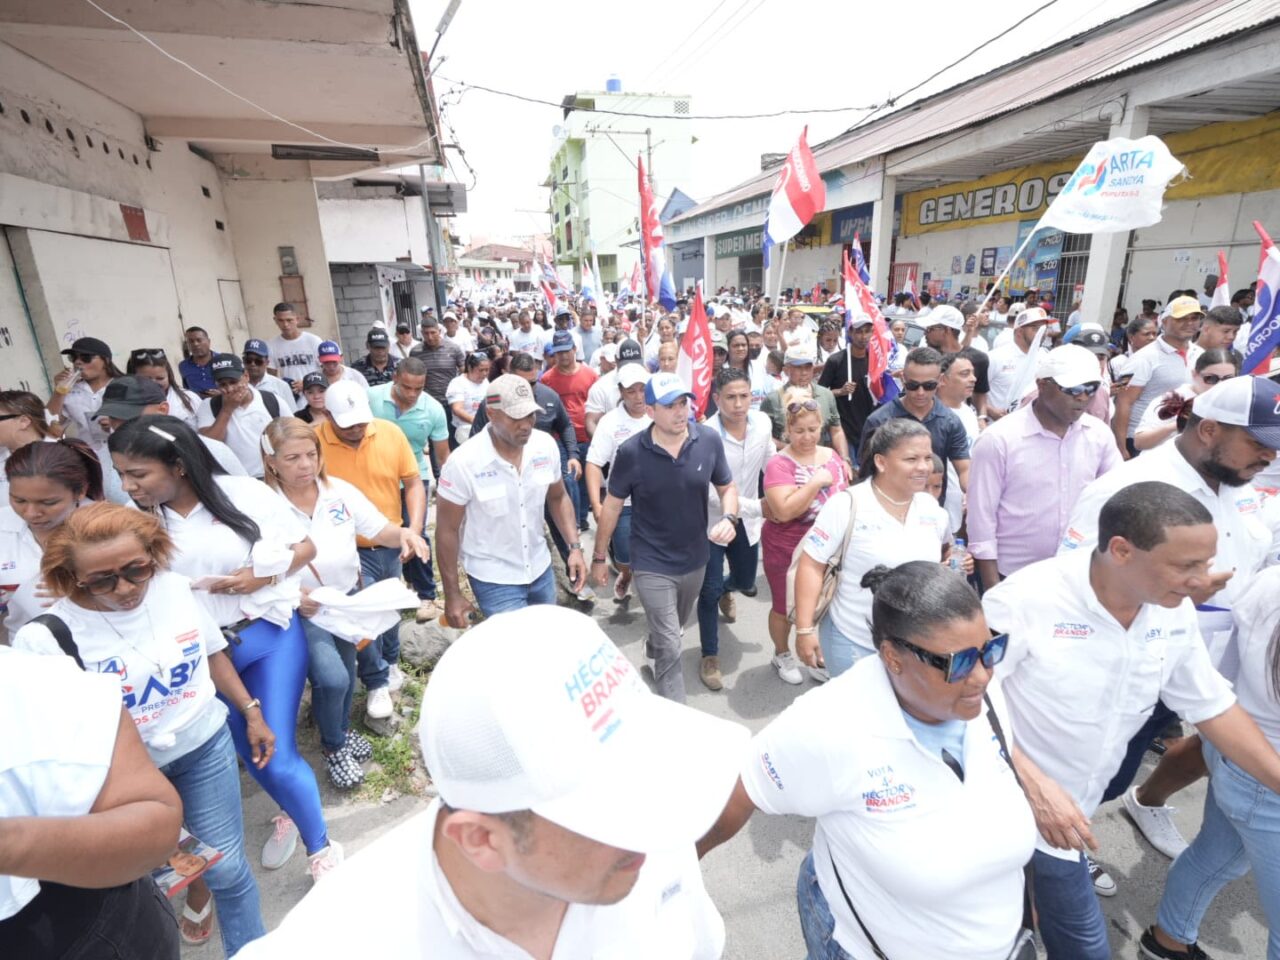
(1222,292)
(550,296)
(650,236)
(819,294)
(858,298)
(694,364)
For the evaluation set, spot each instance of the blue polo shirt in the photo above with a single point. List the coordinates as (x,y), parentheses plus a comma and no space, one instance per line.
(669,498)
(196,377)
(947,434)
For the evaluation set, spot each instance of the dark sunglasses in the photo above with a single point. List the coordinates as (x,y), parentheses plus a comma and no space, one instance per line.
(959,664)
(1080,390)
(135,573)
(147,356)
(253,360)
(84,357)
(927,385)
(1212,378)
(799,405)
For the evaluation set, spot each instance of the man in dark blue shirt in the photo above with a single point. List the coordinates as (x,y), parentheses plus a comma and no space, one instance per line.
(919,401)
(196,370)
(666,470)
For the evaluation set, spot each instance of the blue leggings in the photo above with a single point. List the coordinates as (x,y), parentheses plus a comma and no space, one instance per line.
(272,664)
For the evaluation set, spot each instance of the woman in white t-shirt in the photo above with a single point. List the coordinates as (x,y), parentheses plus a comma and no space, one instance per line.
(154,365)
(122,612)
(896,868)
(22,421)
(1164,418)
(47,483)
(464,395)
(334,512)
(894,521)
(242,552)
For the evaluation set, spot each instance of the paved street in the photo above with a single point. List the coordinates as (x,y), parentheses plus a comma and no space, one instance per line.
(752,878)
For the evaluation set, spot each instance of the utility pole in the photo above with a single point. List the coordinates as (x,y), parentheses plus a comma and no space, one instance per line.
(433,241)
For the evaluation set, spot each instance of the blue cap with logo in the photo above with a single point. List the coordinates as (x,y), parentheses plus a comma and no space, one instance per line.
(1249,402)
(258,348)
(664,389)
(562,341)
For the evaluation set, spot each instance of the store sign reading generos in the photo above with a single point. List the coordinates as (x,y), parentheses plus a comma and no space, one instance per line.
(1027,196)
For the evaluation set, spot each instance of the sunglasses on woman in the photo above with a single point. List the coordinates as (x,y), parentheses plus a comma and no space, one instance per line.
(1213,378)
(959,664)
(84,357)
(135,573)
(798,405)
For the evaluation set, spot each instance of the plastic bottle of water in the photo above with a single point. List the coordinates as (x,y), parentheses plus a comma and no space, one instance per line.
(958,553)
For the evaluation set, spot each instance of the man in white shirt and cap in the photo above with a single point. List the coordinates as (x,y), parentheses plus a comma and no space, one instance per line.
(551,836)
(1008,360)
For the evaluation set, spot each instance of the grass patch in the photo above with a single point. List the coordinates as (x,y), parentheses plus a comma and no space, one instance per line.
(396,762)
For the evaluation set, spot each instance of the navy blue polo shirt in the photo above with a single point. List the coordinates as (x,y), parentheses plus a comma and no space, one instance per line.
(669,498)
(196,377)
(949,439)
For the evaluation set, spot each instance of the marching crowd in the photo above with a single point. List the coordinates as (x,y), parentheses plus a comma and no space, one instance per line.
(1004,577)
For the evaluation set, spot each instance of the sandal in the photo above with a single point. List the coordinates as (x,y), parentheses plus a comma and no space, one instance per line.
(203,933)
(344,771)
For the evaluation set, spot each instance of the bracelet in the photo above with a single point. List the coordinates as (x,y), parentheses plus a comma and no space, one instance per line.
(805,631)
(255,703)
(574,546)
(598,559)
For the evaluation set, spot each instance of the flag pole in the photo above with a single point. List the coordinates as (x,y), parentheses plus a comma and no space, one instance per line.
(782,269)
(1008,266)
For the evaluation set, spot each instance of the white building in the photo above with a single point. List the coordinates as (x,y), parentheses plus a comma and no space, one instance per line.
(137,199)
(594,191)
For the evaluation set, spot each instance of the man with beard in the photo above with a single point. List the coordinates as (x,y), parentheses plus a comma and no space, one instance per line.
(1232,434)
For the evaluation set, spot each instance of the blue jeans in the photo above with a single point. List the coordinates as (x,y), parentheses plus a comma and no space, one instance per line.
(331,668)
(208,781)
(377,658)
(1071,922)
(839,652)
(419,572)
(743,558)
(816,922)
(581,502)
(499,597)
(1241,830)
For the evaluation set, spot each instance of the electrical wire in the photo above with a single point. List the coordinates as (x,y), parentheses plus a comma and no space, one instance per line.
(654,116)
(396,148)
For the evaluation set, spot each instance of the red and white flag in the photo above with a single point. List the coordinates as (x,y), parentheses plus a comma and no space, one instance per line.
(694,365)
(1222,292)
(650,236)
(798,195)
(859,299)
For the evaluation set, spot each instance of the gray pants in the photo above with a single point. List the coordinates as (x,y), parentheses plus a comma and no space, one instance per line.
(668,601)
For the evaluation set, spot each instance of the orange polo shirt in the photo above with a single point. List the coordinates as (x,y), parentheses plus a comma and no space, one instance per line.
(377,467)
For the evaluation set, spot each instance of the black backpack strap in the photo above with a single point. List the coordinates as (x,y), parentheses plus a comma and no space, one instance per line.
(215,405)
(62,634)
(1029,878)
(271,401)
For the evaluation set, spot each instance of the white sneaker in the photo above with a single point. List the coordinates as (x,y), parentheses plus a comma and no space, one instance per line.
(1103,885)
(1156,824)
(324,861)
(378,706)
(819,674)
(395,678)
(281,844)
(788,667)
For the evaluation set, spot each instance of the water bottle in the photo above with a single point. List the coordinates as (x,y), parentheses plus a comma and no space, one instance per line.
(958,553)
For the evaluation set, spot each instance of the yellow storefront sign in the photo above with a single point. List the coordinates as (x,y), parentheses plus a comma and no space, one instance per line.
(1220,158)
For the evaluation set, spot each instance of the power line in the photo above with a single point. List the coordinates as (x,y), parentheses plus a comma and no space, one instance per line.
(658,116)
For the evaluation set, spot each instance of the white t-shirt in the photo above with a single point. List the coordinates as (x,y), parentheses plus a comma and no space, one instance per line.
(763,383)
(244,430)
(462,389)
(162,667)
(280,390)
(463,340)
(877,538)
(400,351)
(1157,368)
(341,513)
(1079,685)
(53,761)
(603,395)
(176,409)
(666,916)
(502,539)
(294,359)
(1006,360)
(953,502)
(614,428)
(893,816)
(355,376)
(79,408)
(206,547)
(1256,614)
(20,557)
(532,341)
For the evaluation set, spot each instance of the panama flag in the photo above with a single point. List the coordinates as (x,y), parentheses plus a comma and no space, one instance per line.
(650,235)
(798,195)
(882,346)
(1222,292)
(1264,334)
(859,262)
(694,365)
(909,287)
(588,282)
(549,293)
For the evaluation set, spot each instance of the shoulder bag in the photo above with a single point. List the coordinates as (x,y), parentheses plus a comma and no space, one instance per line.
(830,574)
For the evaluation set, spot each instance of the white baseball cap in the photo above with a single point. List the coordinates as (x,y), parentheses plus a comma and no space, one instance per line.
(1249,402)
(1070,366)
(944,316)
(536,709)
(347,404)
(1032,315)
(632,374)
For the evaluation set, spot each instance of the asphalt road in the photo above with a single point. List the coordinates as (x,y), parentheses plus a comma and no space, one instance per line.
(752,878)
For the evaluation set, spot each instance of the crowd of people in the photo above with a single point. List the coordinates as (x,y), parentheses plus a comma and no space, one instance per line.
(1003,581)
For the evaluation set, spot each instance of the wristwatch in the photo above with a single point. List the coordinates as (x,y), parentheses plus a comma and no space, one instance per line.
(255,702)
(575,546)
(731,517)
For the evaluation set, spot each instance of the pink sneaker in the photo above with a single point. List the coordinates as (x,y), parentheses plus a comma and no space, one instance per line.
(326,860)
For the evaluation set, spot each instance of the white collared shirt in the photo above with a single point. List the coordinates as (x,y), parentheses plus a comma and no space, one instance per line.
(1079,685)
(1157,368)
(341,513)
(747,459)
(79,408)
(244,430)
(20,556)
(502,539)
(893,816)
(666,916)
(1006,360)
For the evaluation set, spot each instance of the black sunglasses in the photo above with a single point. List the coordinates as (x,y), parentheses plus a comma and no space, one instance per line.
(1080,390)
(1212,378)
(959,664)
(927,385)
(135,573)
(84,357)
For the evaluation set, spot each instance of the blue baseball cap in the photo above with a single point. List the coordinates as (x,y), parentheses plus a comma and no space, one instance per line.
(258,348)
(664,389)
(329,350)
(562,341)
(1247,401)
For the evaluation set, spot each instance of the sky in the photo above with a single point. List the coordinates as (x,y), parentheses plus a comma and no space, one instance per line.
(730,56)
